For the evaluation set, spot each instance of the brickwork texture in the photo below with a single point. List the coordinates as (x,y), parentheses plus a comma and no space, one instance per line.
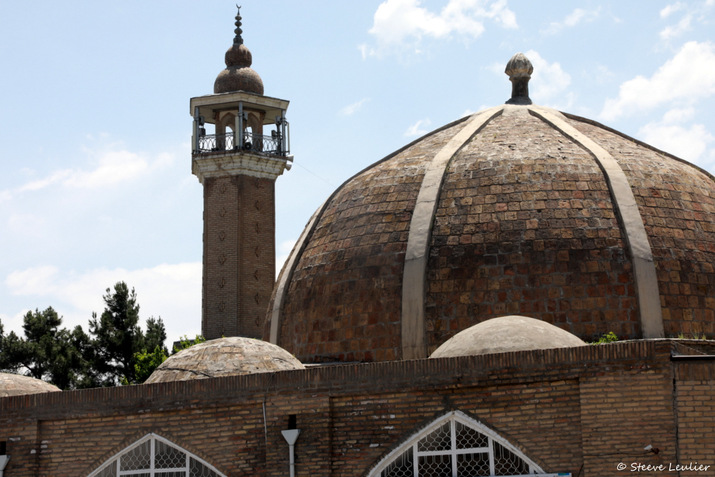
(579,410)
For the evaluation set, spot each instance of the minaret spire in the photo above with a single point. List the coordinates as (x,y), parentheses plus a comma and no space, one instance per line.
(238,39)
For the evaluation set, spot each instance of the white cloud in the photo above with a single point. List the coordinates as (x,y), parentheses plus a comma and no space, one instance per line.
(690,142)
(549,83)
(172,291)
(353,108)
(29,281)
(400,25)
(673,31)
(576,17)
(106,168)
(419,128)
(694,12)
(670,9)
(685,78)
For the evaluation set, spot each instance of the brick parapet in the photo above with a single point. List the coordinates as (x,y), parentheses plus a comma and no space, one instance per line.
(502,368)
(562,408)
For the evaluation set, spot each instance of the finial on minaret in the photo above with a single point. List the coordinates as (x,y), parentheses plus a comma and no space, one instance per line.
(238,39)
(519,69)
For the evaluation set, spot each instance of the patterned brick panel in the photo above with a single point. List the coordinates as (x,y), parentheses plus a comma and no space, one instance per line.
(239,255)
(343,302)
(677,203)
(526,226)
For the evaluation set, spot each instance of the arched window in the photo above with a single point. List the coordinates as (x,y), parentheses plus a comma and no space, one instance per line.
(455,445)
(154,456)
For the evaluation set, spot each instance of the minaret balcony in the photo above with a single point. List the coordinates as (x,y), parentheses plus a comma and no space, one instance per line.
(258,144)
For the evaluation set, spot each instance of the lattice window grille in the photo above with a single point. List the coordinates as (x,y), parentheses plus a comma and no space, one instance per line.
(456,446)
(154,456)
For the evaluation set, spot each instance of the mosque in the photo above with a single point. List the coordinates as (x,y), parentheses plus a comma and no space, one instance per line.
(432,319)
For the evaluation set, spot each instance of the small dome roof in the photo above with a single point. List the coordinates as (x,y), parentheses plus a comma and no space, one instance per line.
(238,75)
(224,357)
(504,334)
(15,385)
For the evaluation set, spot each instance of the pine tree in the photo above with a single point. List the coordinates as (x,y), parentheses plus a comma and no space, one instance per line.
(117,336)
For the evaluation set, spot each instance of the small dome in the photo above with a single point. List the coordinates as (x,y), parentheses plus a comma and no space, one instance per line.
(15,385)
(224,357)
(238,75)
(504,334)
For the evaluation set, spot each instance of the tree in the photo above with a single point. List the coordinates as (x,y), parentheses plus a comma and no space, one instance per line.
(155,334)
(47,351)
(116,351)
(117,336)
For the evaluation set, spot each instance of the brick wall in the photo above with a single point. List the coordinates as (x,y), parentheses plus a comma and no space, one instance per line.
(695,392)
(570,410)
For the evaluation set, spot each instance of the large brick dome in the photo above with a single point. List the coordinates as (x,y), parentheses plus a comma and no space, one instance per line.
(517,210)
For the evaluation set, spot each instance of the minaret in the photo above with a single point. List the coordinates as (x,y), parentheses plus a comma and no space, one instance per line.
(238,167)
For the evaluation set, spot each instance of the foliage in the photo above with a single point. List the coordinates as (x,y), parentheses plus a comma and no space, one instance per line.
(146,362)
(116,350)
(46,352)
(609,337)
(117,335)
(186,342)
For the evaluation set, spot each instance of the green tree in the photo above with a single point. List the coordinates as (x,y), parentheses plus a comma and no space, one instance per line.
(116,351)
(146,362)
(155,334)
(117,337)
(186,342)
(46,352)
(154,352)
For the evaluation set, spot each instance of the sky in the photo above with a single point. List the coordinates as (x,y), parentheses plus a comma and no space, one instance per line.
(95,157)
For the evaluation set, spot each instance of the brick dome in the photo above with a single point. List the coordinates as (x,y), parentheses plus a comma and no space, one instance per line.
(506,334)
(16,385)
(233,356)
(519,209)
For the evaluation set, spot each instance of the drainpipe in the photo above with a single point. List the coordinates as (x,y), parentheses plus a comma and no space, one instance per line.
(3,463)
(290,435)
(3,457)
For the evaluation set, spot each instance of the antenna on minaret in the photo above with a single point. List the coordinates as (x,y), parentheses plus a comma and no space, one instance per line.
(238,39)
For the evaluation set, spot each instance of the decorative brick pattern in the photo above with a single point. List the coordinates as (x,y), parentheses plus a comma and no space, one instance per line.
(344,297)
(527,228)
(239,255)
(677,203)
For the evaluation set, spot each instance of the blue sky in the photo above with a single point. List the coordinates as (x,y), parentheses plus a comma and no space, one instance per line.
(95,169)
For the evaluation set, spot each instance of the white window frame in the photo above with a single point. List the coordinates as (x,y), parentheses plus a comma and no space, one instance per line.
(152,471)
(453,417)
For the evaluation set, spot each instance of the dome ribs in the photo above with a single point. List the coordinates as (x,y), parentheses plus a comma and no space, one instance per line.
(342,295)
(526,225)
(677,202)
(414,344)
(651,316)
(518,210)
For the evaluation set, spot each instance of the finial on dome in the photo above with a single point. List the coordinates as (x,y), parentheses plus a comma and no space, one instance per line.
(238,75)
(519,69)
(238,39)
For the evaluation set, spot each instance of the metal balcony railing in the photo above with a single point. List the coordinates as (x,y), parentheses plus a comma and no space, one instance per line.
(215,142)
(272,144)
